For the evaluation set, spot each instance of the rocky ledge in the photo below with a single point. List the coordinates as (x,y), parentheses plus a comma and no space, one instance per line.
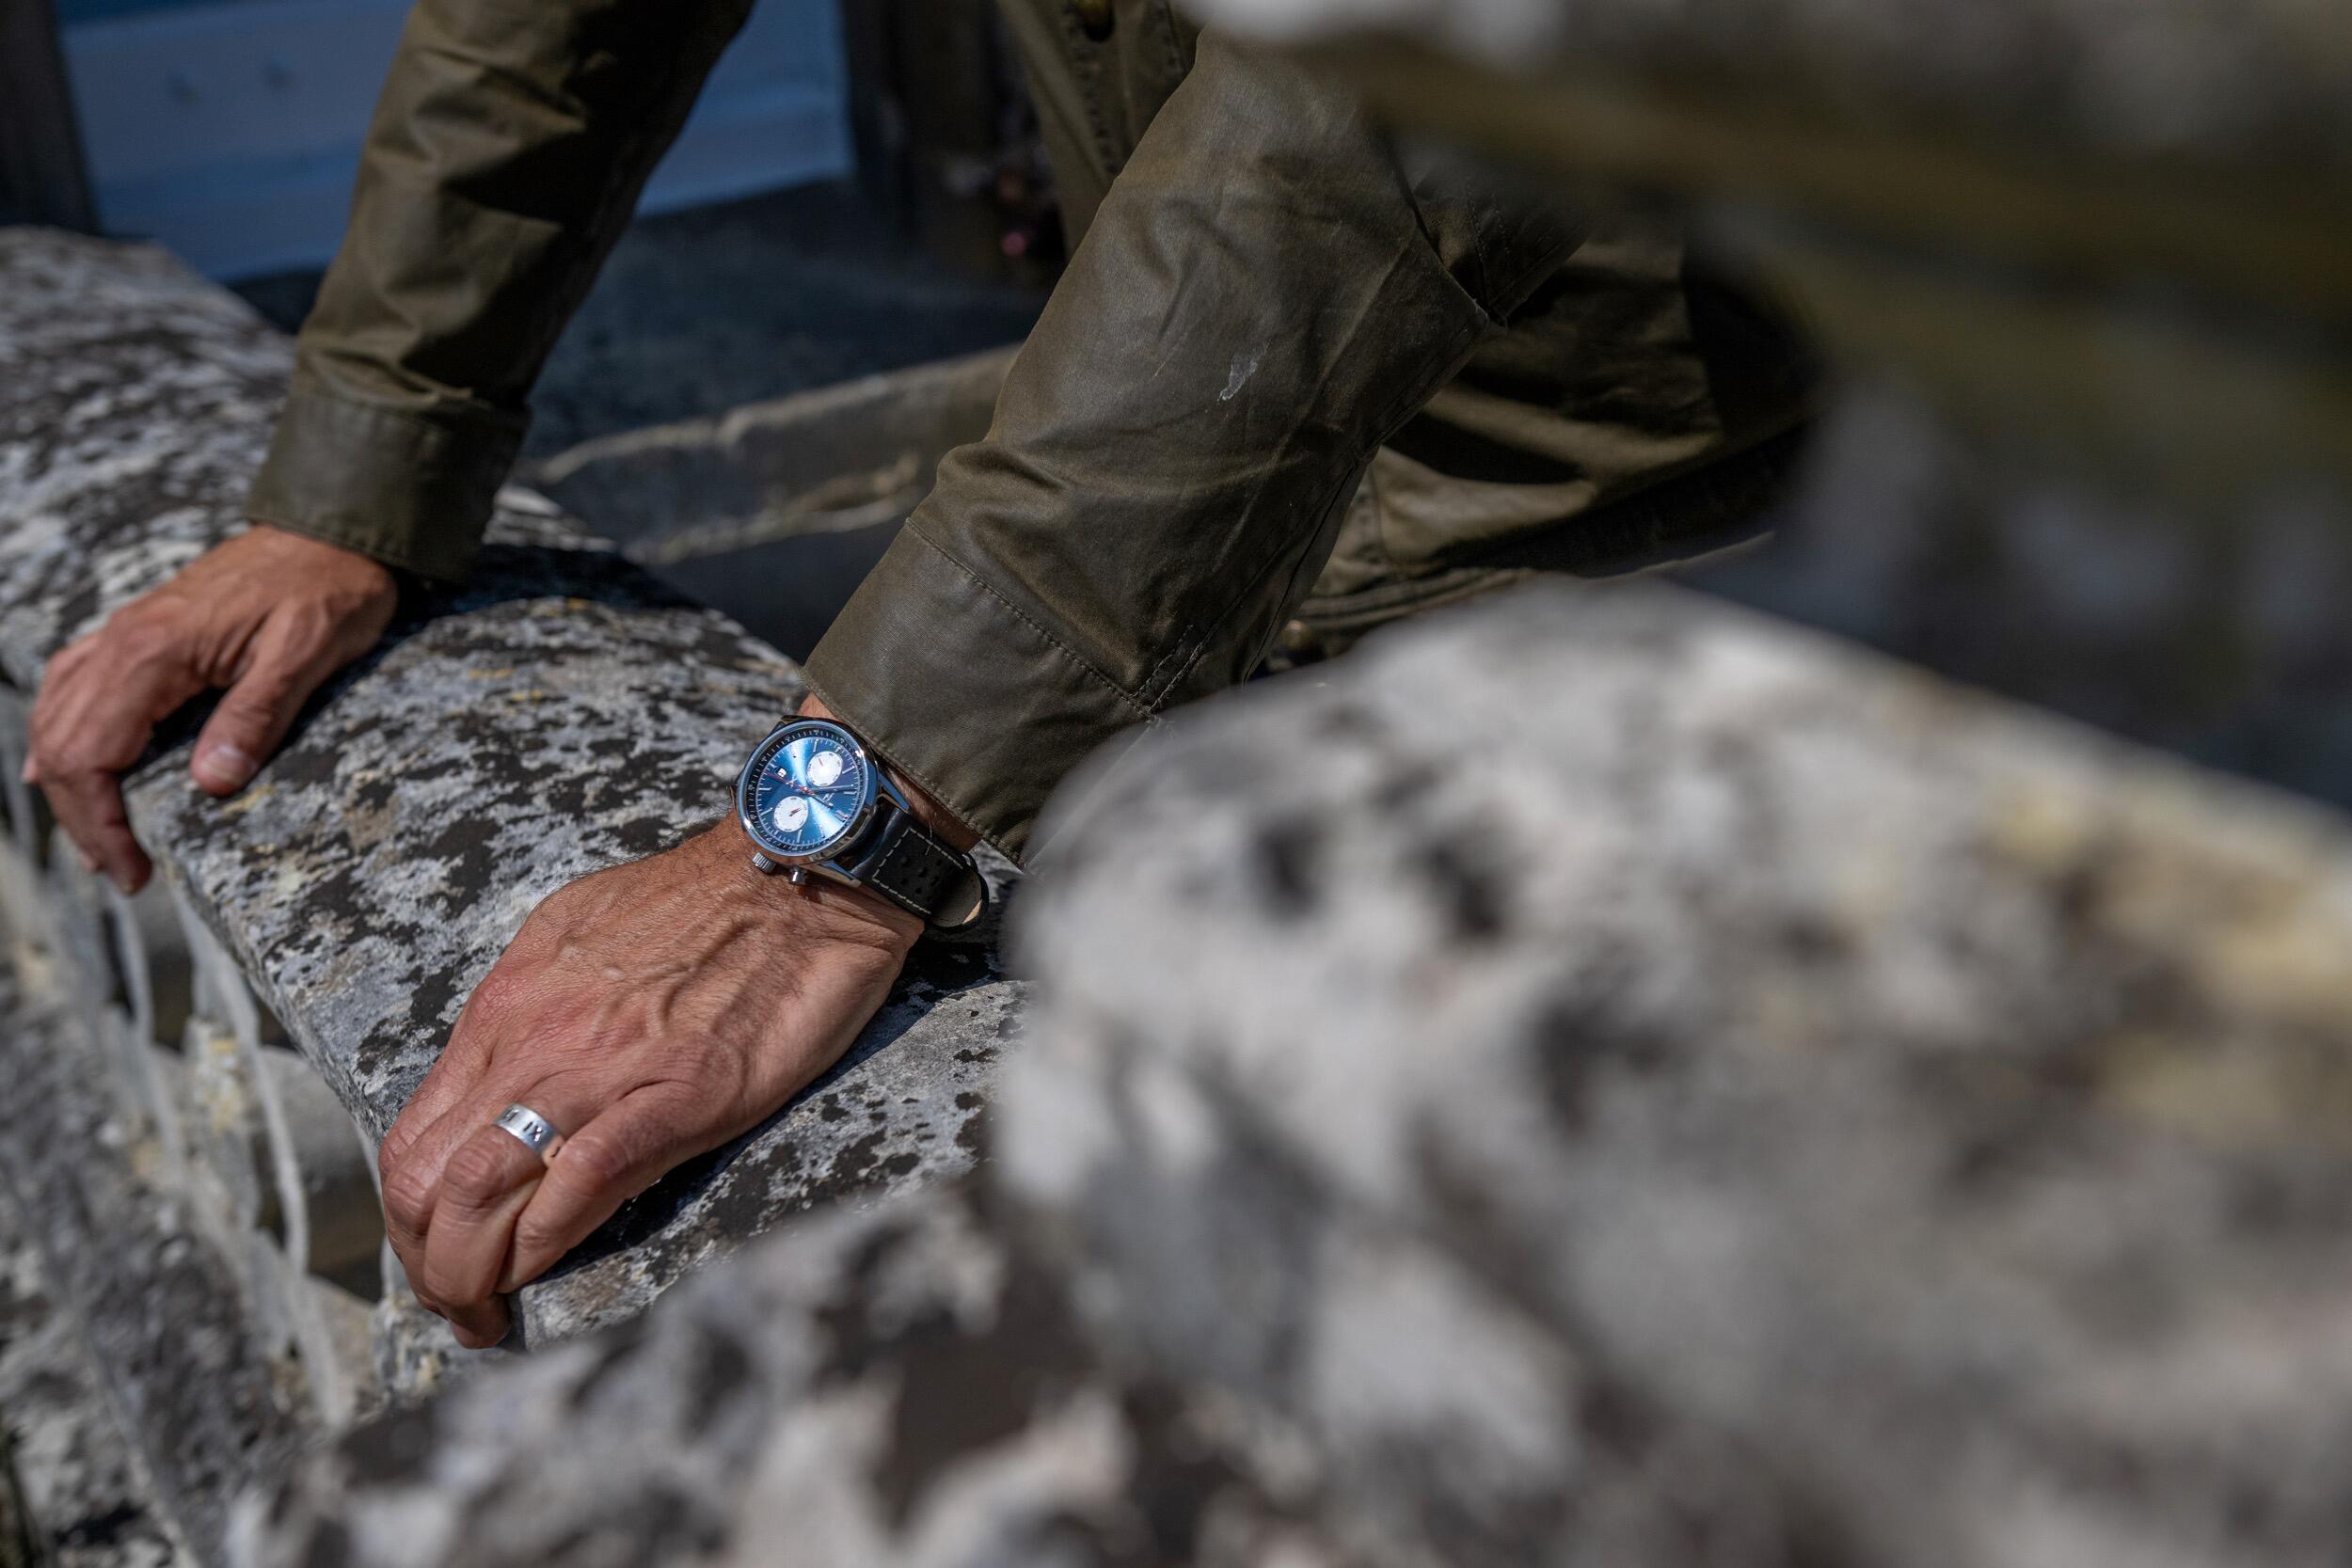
(560,713)
(1598,1079)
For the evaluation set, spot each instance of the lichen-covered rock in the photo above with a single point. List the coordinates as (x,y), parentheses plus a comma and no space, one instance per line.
(1598,1080)
(908,1386)
(559,714)
(1601,1021)
(71,1493)
(127,1360)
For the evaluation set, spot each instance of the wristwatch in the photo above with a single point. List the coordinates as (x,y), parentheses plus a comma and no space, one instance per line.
(814,804)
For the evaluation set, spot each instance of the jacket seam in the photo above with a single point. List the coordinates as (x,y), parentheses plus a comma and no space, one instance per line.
(1152,692)
(369,545)
(307,388)
(1141,709)
(1517,286)
(1083,55)
(1391,418)
(949,798)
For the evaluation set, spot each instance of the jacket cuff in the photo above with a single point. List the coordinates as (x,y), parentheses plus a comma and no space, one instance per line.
(408,491)
(963,693)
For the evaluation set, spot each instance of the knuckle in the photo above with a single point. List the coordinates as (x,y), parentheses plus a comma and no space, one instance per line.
(596,1160)
(552,913)
(74,755)
(85,759)
(476,1174)
(498,987)
(244,725)
(446,1297)
(699,1069)
(392,1153)
(58,679)
(309,626)
(494,1001)
(407,1193)
(80,765)
(537,1233)
(251,705)
(450,1307)
(280,661)
(144,631)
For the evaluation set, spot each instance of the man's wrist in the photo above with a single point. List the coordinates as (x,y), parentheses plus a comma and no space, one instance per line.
(854,908)
(943,823)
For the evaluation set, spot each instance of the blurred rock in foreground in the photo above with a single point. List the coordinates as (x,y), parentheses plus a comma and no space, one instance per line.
(1599,1079)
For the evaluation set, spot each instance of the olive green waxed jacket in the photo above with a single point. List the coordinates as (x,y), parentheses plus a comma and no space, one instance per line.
(1295,373)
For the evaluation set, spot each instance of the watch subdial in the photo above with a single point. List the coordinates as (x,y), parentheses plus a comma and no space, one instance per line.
(824,769)
(791,816)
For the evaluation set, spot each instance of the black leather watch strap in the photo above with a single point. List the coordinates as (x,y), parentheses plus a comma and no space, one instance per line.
(910,865)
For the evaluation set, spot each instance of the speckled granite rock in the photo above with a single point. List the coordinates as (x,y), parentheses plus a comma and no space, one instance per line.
(562,713)
(71,1492)
(907,1386)
(1604,1019)
(1598,1080)
(132,1312)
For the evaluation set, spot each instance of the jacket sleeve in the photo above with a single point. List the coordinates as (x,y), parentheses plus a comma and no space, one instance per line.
(1269,289)
(505,156)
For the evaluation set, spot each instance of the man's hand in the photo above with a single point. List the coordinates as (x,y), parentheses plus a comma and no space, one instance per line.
(651,1012)
(268,614)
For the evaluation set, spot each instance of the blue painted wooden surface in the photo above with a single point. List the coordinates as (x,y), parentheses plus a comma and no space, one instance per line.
(228,130)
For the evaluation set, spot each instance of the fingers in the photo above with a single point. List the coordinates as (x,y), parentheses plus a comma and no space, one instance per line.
(495,1216)
(620,1153)
(485,1183)
(91,721)
(486,1177)
(409,1162)
(649,1013)
(495,1012)
(258,707)
(89,805)
(267,613)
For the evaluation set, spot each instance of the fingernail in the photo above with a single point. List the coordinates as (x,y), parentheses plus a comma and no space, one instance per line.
(89,861)
(221,765)
(28,773)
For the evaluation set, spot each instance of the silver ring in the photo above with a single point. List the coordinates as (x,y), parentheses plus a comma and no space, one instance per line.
(535,1131)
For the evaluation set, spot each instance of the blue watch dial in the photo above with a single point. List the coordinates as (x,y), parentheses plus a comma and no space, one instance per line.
(806,791)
